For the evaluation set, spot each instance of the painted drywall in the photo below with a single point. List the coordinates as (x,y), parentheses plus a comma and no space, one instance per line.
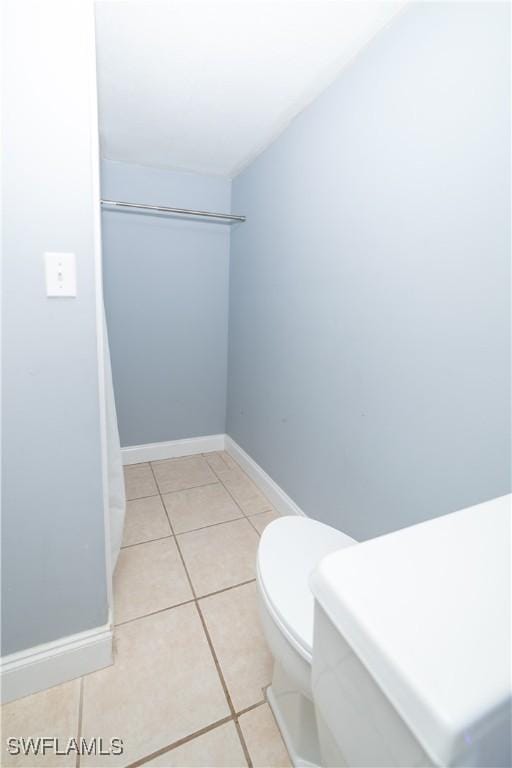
(166,299)
(54,580)
(369,288)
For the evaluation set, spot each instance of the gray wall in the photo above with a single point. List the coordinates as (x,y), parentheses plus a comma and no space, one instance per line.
(166,299)
(53,549)
(369,289)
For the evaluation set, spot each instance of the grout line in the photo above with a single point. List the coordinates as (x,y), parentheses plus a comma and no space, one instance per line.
(226,589)
(200,528)
(217,663)
(240,732)
(79,725)
(255,484)
(245,514)
(229,466)
(147,541)
(154,613)
(185,602)
(139,498)
(188,488)
(179,742)
(249,519)
(219,455)
(262,512)
(278,727)
(185,456)
(225,486)
(252,706)
(244,745)
(178,458)
(180,553)
(229,492)
(184,490)
(211,525)
(225,687)
(265,512)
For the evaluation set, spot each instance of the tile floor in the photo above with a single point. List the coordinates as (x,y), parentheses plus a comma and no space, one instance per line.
(187,687)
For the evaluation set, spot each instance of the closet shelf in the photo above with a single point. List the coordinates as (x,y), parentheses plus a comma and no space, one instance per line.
(228,218)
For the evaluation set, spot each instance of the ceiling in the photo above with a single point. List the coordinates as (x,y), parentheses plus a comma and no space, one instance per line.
(206,86)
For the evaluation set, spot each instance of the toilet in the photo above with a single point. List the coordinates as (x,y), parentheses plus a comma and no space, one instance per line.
(290,549)
(394,652)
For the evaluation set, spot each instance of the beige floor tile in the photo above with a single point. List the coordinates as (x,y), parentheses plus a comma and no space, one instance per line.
(234,627)
(218,748)
(148,578)
(145,520)
(139,481)
(54,713)
(197,507)
(263,739)
(232,464)
(221,461)
(162,687)
(244,491)
(216,461)
(261,520)
(220,556)
(178,474)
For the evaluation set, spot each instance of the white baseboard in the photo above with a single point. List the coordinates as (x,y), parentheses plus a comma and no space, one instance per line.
(172,449)
(44,666)
(274,493)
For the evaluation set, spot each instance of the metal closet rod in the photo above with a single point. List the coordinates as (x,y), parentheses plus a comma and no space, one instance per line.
(181,211)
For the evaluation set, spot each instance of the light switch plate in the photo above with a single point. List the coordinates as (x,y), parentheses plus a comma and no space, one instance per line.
(60,270)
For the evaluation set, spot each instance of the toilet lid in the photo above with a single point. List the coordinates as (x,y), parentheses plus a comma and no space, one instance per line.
(290,549)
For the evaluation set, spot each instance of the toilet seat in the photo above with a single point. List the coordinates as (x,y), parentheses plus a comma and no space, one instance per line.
(290,549)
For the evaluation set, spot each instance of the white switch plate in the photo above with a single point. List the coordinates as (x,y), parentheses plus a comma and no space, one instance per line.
(60,270)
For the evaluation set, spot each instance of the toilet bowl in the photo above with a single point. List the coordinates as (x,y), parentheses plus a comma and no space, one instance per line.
(290,549)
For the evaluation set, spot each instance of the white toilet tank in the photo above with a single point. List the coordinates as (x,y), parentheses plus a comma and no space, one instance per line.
(412,648)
